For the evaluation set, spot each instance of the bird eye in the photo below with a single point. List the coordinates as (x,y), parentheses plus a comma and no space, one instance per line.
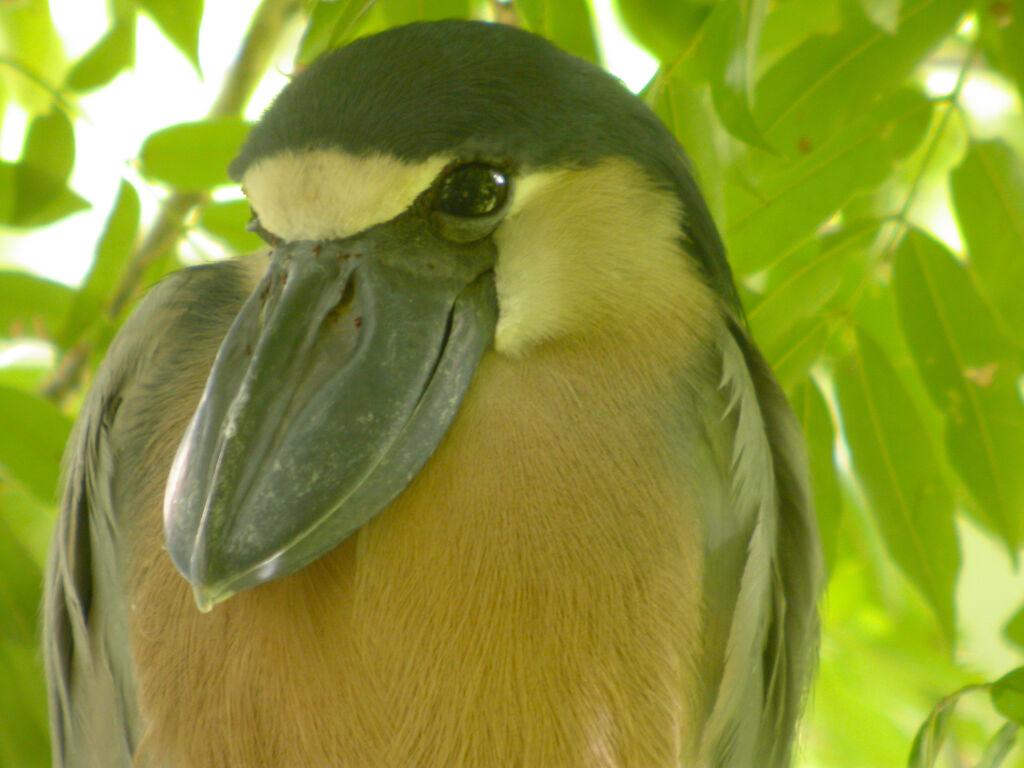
(469,201)
(471,190)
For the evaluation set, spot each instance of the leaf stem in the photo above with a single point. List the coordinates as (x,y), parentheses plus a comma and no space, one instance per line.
(951,100)
(900,218)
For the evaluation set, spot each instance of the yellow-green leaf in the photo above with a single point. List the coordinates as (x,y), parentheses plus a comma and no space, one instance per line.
(667,28)
(814,416)
(193,156)
(826,80)
(730,45)
(32,198)
(1008,695)
(407,11)
(800,281)
(924,753)
(179,20)
(565,22)
(30,304)
(226,222)
(971,373)
(891,454)
(790,200)
(50,146)
(114,53)
(331,25)
(988,190)
(112,252)
(35,432)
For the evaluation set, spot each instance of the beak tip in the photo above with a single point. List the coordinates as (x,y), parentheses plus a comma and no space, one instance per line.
(207,597)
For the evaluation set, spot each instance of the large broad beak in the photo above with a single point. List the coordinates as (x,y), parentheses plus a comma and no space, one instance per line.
(333,387)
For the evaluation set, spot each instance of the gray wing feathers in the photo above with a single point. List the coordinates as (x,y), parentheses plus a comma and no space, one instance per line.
(772,635)
(81,639)
(798,570)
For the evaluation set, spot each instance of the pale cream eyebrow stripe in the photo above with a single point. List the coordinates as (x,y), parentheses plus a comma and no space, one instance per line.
(327,193)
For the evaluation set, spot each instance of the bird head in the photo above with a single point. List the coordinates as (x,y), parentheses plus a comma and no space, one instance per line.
(433,194)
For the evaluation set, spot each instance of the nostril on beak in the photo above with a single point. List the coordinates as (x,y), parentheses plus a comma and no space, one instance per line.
(348,293)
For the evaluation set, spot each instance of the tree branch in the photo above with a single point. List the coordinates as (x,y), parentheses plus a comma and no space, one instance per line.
(253,59)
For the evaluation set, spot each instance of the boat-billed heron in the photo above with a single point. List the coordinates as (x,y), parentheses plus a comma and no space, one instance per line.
(478,466)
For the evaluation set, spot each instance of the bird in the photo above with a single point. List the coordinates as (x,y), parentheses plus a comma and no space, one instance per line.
(475,464)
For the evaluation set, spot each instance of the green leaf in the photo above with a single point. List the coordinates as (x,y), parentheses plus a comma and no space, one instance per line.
(810,407)
(927,148)
(933,732)
(790,23)
(331,25)
(871,307)
(1014,629)
(688,113)
(226,222)
(800,281)
(23,739)
(29,38)
(179,20)
(792,199)
(113,54)
(35,432)
(193,156)
(988,192)
(1008,695)
(566,23)
(731,45)
(795,351)
(30,197)
(997,750)
(20,593)
(34,189)
(50,146)
(971,373)
(1002,28)
(30,521)
(900,476)
(817,87)
(32,304)
(884,14)
(667,28)
(23,375)
(113,251)
(407,11)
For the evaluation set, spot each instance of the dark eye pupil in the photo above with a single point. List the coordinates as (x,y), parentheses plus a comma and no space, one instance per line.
(472,190)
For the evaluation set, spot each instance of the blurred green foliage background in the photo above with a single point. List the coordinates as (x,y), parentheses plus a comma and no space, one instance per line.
(863,159)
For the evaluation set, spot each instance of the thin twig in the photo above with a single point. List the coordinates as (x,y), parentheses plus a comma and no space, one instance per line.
(900,219)
(952,104)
